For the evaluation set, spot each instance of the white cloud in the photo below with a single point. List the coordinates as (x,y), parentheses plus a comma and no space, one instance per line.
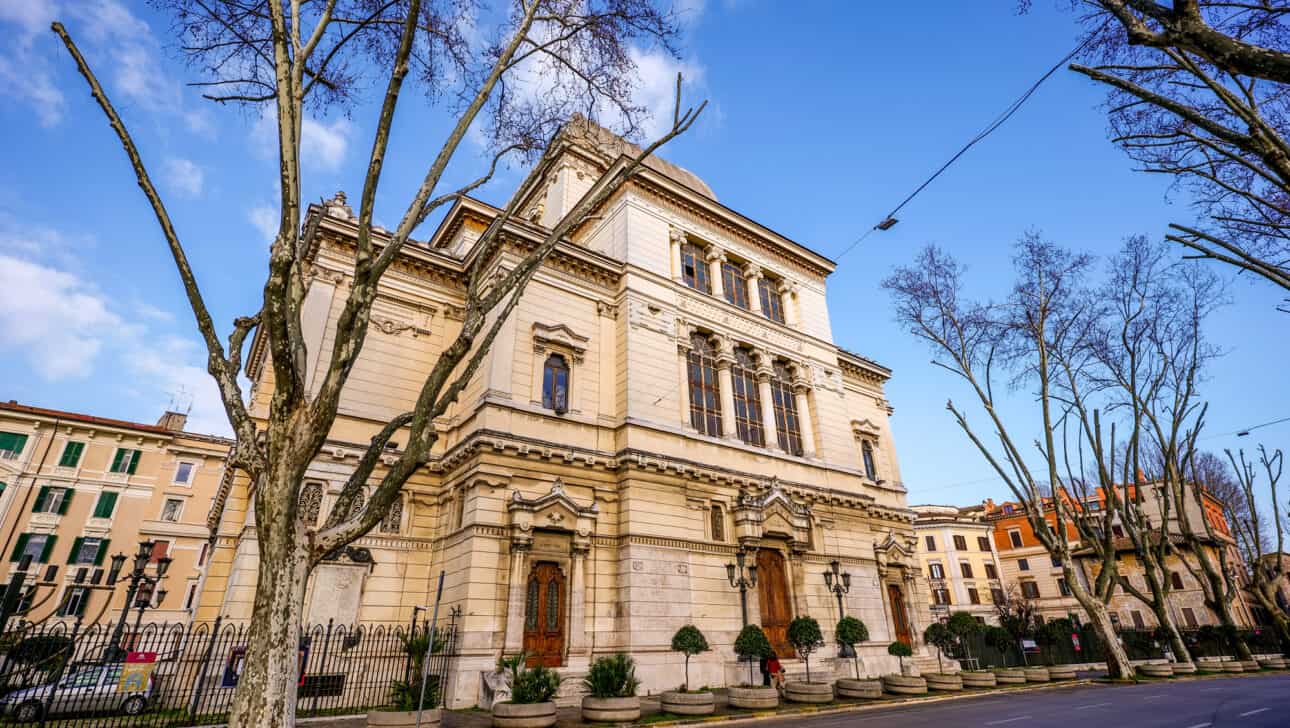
(169,367)
(655,88)
(265,219)
(52,318)
(184,177)
(322,145)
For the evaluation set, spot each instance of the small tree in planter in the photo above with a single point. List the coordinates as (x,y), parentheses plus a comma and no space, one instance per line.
(900,650)
(689,641)
(1000,639)
(532,690)
(939,636)
(963,625)
(804,634)
(752,645)
(851,632)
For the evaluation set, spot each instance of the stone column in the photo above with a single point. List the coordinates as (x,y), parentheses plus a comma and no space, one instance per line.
(676,239)
(767,404)
(725,359)
(514,641)
(578,599)
(800,392)
(754,275)
(788,297)
(715,259)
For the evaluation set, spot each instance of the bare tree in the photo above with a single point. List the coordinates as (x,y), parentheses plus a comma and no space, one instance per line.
(1268,566)
(303,54)
(1198,92)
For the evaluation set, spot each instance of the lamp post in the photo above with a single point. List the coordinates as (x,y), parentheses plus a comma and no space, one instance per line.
(839,583)
(13,592)
(741,578)
(139,595)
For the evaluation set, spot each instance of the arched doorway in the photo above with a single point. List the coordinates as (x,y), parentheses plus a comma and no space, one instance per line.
(776,607)
(544,605)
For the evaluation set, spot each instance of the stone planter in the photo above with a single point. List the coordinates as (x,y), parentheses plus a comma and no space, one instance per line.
(978,679)
(1250,665)
(611,710)
(1062,672)
(863,689)
(679,703)
(1273,663)
(1232,666)
(403,719)
(1184,668)
(808,692)
(1036,674)
(523,715)
(904,685)
(943,681)
(1010,676)
(756,698)
(1165,670)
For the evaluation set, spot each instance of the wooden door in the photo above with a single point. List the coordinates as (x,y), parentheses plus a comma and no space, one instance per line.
(899,615)
(776,608)
(544,605)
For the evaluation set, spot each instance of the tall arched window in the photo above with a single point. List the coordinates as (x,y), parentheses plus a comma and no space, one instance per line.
(705,397)
(747,399)
(555,384)
(734,284)
(788,428)
(393,520)
(772,304)
(311,503)
(718,523)
(870,470)
(694,269)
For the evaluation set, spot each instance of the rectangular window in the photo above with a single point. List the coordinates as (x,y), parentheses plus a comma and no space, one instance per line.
(125,461)
(974,596)
(1175,580)
(184,473)
(1189,616)
(936,571)
(71,455)
(705,399)
(201,556)
(38,546)
(52,500)
(172,510)
(747,399)
(983,543)
(996,596)
(1015,538)
(966,569)
(159,550)
(1023,564)
(694,269)
(1030,589)
(1057,562)
(736,286)
(11,445)
(191,597)
(1137,620)
(1063,587)
(931,543)
(960,543)
(941,596)
(788,429)
(772,303)
(105,505)
(86,550)
(991,572)
(74,603)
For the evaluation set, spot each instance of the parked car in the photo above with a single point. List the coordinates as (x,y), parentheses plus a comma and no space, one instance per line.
(85,688)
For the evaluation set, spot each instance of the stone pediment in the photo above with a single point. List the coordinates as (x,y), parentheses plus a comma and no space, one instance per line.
(554,510)
(865,428)
(772,513)
(561,337)
(895,553)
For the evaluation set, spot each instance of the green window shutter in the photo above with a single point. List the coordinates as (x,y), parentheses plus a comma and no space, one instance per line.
(41,494)
(67,500)
(103,549)
(19,547)
(106,504)
(71,454)
(80,606)
(12,441)
(76,549)
(49,549)
(116,460)
(134,462)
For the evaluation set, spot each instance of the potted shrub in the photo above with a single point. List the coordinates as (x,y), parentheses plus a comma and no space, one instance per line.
(939,636)
(963,625)
(532,692)
(689,641)
(611,691)
(402,711)
(752,645)
(902,684)
(851,632)
(804,634)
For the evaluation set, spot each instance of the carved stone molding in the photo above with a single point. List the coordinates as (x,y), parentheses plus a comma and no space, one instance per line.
(865,429)
(559,336)
(606,309)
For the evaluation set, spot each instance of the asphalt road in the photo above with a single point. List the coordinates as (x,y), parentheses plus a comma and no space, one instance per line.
(1251,702)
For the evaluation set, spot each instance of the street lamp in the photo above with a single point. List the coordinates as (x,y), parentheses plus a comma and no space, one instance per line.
(741,578)
(838,583)
(140,592)
(13,592)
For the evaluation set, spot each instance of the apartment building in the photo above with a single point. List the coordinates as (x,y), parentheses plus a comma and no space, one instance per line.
(956,551)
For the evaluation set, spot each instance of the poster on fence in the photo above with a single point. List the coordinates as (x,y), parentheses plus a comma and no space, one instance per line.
(237,657)
(136,671)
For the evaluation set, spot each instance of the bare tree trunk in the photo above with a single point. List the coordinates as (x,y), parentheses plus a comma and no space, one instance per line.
(1118,666)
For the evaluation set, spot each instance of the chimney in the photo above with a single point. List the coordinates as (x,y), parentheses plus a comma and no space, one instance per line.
(173,421)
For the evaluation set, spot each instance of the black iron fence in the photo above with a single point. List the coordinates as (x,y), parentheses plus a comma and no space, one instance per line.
(1085,646)
(70,674)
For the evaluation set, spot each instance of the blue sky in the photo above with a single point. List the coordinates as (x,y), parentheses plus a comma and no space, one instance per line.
(823,116)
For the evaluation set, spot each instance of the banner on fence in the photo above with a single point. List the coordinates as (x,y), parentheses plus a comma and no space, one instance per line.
(136,671)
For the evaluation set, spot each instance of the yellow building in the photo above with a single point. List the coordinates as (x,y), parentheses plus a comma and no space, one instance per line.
(78,489)
(957,555)
(667,400)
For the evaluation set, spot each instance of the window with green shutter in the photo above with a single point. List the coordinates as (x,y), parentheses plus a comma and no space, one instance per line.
(38,545)
(106,504)
(125,461)
(11,444)
(52,500)
(71,455)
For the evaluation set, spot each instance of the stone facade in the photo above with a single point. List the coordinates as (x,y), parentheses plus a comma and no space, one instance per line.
(601,517)
(957,554)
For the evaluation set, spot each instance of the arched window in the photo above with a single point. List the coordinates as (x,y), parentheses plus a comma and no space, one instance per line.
(772,304)
(705,398)
(531,605)
(747,399)
(788,428)
(718,523)
(311,503)
(393,520)
(869,469)
(461,506)
(555,384)
(356,506)
(734,284)
(694,269)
